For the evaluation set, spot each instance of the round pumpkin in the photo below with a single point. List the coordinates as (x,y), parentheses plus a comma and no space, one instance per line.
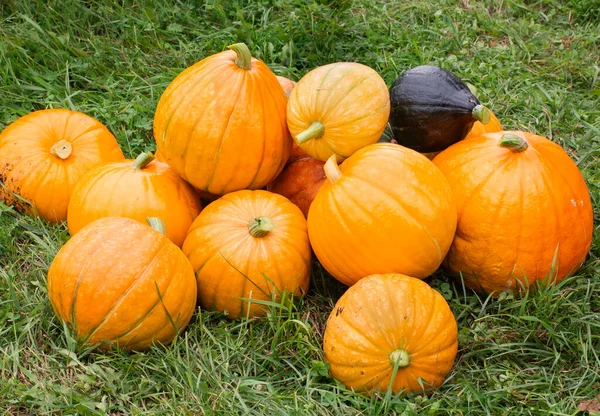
(135,189)
(248,245)
(386,209)
(390,331)
(119,282)
(287,84)
(221,124)
(524,211)
(300,180)
(45,153)
(478,128)
(337,109)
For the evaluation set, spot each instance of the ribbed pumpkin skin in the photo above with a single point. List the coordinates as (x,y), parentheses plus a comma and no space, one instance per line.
(352,102)
(300,180)
(105,284)
(30,170)
(492,126)
(384,313)
(515,210)
(222,251)
(223,128)
(116,189)
(287,84)
(391,211)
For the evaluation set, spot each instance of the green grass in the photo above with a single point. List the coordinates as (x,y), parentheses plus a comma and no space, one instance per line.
(535,63)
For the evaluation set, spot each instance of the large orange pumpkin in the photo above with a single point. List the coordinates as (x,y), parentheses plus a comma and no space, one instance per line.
(300,180)
(119,282)
(45,153)
(221,124)
(287,84)
(337,109)
(386,209)
(248,245)
(524,211)
(393,332)
(135,189)
(478,128)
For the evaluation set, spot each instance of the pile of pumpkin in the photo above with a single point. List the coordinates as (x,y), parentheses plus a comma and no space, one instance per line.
(347,168)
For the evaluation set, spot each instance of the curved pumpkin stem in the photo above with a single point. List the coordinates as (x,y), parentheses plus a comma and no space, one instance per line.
(62,149)
(142,160)
(315,131)
(157,224)
(244,57)
(332,169)
(515,143)
(481,113)
(260,226)
(400,358)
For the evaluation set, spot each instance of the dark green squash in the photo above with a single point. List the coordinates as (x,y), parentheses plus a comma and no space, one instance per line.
(431,109)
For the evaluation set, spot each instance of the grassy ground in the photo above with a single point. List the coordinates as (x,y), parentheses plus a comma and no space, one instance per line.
(535,63)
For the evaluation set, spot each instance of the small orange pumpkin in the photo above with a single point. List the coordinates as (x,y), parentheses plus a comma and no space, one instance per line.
(524,211)
(287,84)
(221,123)
(393,332)
(337,109)
(248,245)
(135,189)
(119,282)
(45,153)
(478,128)
(300,180)
(385,209)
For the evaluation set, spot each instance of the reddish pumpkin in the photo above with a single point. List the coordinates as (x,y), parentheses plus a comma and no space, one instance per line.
(221,124)
(524,211)
(44,154)
(287,85)
(478,128)
(300,180)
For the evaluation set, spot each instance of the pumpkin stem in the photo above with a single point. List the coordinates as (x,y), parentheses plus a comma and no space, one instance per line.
(400,358)
(515,143)
(481,113)
(143,160)
(260,226)
(62,149)
(157,224)
(244,57)
(332,169)
(314,131)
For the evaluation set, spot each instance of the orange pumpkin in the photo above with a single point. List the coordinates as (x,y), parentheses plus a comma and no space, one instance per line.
(221,123)
(45,153)
(337,109)
(478,128)
(119,282)
(386,209)
(135,189)
(300,180)
(248,245)
(393,332)
(524,211)
(287,85)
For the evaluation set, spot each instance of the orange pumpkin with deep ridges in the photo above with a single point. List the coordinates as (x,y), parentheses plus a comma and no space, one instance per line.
(524,211)
(287,84)
(337,109)
(386,209)
(221,123)
(248,245)
(478,128)
(135,189)
(300,180)
(45,153)
(121,282)
(388,323)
